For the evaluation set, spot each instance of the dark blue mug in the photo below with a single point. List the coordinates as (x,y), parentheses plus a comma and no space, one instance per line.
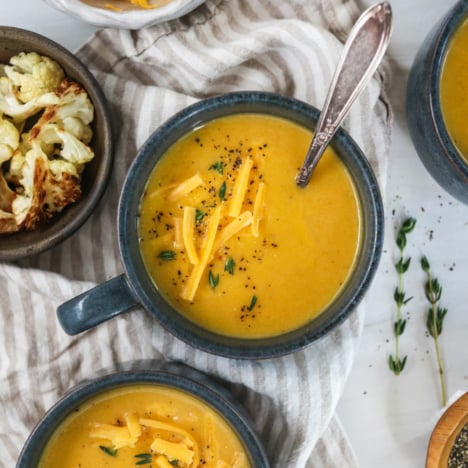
(425,120)
(168,374)
(136,287)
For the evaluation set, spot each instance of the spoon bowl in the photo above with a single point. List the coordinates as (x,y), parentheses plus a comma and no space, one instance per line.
(363,51)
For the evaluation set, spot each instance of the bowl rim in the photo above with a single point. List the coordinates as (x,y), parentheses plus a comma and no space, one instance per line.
(184,329)
(454,19)
(65,58)
(132,19)
(161,373)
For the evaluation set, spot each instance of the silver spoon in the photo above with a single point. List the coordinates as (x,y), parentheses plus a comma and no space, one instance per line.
(363,51)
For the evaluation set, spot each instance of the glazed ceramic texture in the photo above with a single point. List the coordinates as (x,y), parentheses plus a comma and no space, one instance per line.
(96,173)
(136,287)
(172,375)
(425,120)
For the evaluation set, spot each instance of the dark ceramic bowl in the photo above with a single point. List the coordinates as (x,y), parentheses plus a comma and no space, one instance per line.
(426,124)
(136,287)
(171,375)
(96,173)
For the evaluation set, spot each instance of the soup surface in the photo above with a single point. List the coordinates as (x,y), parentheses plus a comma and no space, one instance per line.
(454,89)
(147,425)
(232,242)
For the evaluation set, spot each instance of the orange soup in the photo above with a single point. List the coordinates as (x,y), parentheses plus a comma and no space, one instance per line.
(233,243)
(147,425)
(454,89)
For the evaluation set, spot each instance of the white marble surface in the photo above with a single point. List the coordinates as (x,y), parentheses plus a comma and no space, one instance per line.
(388,419)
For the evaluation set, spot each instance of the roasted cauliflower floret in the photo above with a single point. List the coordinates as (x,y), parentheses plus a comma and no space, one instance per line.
(45,192)
(9,139)
(65,145)
(74,112)
(33,75)
(19,112)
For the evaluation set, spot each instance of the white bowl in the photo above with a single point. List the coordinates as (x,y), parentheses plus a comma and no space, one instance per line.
(129,19)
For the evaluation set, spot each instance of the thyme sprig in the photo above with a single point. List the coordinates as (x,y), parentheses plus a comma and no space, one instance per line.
(396,363)
(435,319)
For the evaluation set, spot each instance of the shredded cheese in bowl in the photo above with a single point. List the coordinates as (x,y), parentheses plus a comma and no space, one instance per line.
(126,5)
(139,3)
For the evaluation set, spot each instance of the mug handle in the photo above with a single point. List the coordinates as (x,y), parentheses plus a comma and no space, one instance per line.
(101,303)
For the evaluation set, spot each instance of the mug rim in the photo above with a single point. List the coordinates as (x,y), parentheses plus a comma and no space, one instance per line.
(454,20)
(145,289)
(168,374)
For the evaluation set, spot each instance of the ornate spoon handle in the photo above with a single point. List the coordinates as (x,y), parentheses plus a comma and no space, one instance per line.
(363,51)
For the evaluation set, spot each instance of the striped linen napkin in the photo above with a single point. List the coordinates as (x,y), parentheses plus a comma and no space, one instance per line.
(225,45)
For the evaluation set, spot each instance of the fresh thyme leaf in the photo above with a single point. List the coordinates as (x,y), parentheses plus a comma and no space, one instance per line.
(396,366)
(213,280)
(399,296)
(435,320)
(253,301)
(433,290)
(109,450)
(399,327)
(144,461)
(199,215)
(425,264)
(167,255)
(218,167)
(434,324)
(222,191)
(401,240)
(143,458)
(229,266)
(408,225)
(402,265)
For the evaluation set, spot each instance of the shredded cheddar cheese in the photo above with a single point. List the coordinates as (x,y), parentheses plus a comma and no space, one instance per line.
(178,233)
(236,225)
(190,288)
(133,425)
(119,435)
(240,187)
(109,6)
(258,209)
(186,187)
(173,450)
(188,226)
(143,3)
(162,462)
(139,3)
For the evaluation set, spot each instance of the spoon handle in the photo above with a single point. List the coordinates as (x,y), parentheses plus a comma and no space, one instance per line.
(363,51)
